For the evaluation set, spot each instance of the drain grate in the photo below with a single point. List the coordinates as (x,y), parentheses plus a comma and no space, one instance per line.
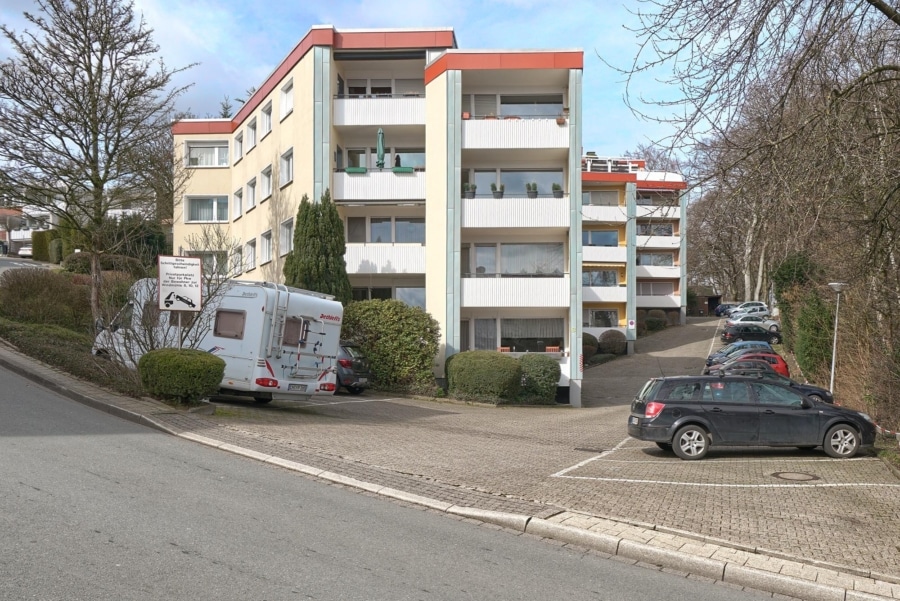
(796,476)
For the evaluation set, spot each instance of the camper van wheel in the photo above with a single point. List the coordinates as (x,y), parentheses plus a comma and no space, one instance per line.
(261,400)
(354,389)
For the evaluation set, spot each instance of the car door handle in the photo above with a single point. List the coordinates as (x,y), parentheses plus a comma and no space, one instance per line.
(717,410)
(770,412)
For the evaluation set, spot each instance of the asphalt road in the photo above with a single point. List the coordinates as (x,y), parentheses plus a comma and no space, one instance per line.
(96,508)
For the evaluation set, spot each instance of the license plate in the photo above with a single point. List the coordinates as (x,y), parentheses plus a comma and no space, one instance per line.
(633,421)
(297,387)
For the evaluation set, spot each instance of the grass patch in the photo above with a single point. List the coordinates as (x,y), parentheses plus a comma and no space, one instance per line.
(888,449)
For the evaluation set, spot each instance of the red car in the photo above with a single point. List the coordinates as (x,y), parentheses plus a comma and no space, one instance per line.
(775,360)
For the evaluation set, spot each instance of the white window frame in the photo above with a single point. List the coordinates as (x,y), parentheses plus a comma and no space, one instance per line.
(287,99)
(265,249)
(251,194)
(286,172)
(265,120)
(219,154)
(286,238)
(238,147)
(251,135)
(250,255)
(237,261)
(238,208)
(265,183)
(216,201)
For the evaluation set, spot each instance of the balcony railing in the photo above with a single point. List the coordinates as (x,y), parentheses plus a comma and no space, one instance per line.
(514,133)
(380,110)
(604,294)
(659,302)
(604,214)
(491,290)
(604,254)
(655,271)
(385,258)
(379,184)
(595,164)
(515,211)
(658,241)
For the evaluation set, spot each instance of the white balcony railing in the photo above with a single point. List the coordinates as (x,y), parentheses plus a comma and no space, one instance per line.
(658,302)
(652,271)
(515,292)
(385,258)
(604,214)
(604,254)
(514,133)
(604,294)
(379,184)
(658,241)
(655,211)
(380,111)
(515,212)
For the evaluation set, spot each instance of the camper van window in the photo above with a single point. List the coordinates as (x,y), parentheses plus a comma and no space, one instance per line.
(229,324)
(295,331)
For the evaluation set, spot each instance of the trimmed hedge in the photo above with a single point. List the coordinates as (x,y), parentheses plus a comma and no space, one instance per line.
(540,377)
(488,376)
(612,342)
(36,295)
(81,263)
(40,244)
(181,375)
(589,345)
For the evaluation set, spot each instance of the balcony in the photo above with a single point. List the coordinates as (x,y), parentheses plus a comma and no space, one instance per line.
(382,110)
(385,258)
(655,271)
(604,254)
(488,212)
(379,184)
(593,164)
(658,242)
(661,211)
(604,294)
(658,302)
(514,133)
(515,292)
(614,214)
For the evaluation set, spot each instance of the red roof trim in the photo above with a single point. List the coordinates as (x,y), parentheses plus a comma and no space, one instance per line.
(661,185)
(475,61)
(606,177)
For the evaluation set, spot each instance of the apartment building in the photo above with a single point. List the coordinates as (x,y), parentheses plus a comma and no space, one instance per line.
(458,174)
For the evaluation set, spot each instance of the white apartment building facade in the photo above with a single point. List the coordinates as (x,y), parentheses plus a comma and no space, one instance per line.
(458,175)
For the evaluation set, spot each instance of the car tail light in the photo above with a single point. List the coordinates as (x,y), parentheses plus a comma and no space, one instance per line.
(267,382)
(653,409)
(345,363)
(328,386)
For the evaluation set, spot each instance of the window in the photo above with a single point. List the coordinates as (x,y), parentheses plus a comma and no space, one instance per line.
(410,87)
(485,260)
(286,240)
(287,99)
(656,259)
(230,324)
(371,293)
(212,209)
(723,391)
(213,262)
(356,157)
(265,247)
(237,261)
(286,170)
(532,335)
(251,135)
(601,318)
(486,334)
(380,229)
(250,255)
(600,277)
(409,157)
(599,238)
(207,154)
(381,87)
(655,229)
(600,198)
(414,297)
(357,87)
(532,259)
(238,147)
(251,194)
(265,183)
(514,181)
(238,203)
(655,288)
(409,230)
(296,332)
(531,106)
(356,229)
(265,120)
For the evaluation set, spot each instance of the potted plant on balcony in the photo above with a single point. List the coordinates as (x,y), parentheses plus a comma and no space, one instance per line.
(469,190)
(560,119)
(497,191)
(531,190)
(557,191)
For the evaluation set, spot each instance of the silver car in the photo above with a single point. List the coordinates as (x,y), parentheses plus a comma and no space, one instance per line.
(759,320)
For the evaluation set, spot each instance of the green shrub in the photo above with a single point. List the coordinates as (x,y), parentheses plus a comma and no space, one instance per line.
(655,324)
(657,314)
(42,296)
(487,376)
(612,342)
(400,342)
(55,251)
(540,377)
(589,345)
(81,263)
(40,244)
(181,375)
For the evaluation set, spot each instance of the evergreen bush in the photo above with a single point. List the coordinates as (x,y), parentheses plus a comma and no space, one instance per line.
(540,377)
(181,375)
(41,296)
(55,251)
(589,345)
(81,263)
(487,376)
(612,342)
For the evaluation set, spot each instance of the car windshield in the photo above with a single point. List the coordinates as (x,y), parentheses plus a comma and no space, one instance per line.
(354,351)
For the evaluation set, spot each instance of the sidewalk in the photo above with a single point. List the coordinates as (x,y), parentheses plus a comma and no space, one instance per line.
(649,545)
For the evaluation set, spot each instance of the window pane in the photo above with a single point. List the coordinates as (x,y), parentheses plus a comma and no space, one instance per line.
(534,106)
(603,318)
(410,230)
(381,293)
(483,180)
(486,334)
(600,277)
(229,324)
(414,297)
(485,260)
(532,259)
(380,229)
(356,229)
(532,335)
(514,181)
(410,157)
(599,238)
(356,157)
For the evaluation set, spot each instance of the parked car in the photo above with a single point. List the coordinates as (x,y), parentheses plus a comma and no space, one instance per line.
(775,361)
(749,304)
(760,311)
(750,332)
(352,368)
(816,393)
(723,354)
(759,320)
(738,363)
(689,414)
(26,252)
(721,308)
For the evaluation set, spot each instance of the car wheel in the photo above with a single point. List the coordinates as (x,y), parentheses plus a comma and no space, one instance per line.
(353,389)
(739,339)
(774,339)
(842,441)
(691,442)
(773,328)
(665,446)
(816,397)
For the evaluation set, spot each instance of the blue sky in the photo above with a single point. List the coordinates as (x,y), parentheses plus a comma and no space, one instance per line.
(238,44)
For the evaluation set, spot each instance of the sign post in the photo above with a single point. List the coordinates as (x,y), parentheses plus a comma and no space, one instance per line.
(179,287)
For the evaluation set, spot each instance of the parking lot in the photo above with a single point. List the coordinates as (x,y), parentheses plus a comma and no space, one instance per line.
(793,502)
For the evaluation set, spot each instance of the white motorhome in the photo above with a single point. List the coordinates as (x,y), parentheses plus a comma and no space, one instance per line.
(278,342)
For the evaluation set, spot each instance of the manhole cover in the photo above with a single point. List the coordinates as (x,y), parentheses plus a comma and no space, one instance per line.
(796,476)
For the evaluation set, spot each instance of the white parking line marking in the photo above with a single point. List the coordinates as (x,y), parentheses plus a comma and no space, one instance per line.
(586,461)
(710,485)
(736,460)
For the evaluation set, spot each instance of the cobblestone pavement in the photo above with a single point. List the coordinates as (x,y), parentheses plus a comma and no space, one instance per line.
(829,522)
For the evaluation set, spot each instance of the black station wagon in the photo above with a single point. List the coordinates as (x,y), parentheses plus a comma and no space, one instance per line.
(689,414)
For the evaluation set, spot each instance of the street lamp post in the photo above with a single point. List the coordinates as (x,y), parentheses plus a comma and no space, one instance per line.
(838,287)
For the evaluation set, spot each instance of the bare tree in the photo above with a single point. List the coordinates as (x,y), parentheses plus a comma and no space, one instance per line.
(79,99)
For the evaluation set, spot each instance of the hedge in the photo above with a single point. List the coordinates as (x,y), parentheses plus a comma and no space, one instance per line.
(488,376)
(181,375)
